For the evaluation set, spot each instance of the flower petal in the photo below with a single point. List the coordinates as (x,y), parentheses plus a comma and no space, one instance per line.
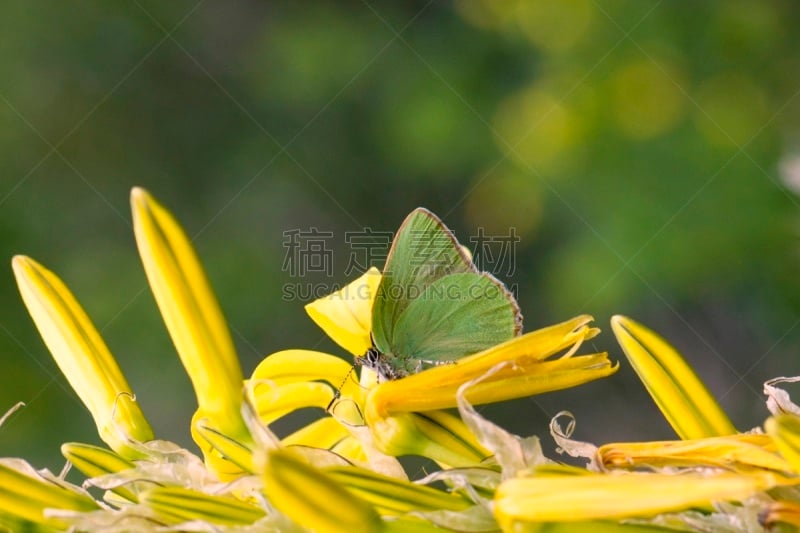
(272,403)
(551,497)
(527,372)
(294,366)
(437,435)
(329,434)
(779,400)
(24,494)
(230,456)
(191,313)
(94,461)
(511,452)
(739,453)
(82,356)
(680,395)
(178,504)
(314,499)
(395,496)
(346,315)
(785,430)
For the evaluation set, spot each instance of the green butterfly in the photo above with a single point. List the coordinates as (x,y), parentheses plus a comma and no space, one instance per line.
(433,306)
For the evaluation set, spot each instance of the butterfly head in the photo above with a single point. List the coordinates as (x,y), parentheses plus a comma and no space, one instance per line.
(381,364)
(372,357)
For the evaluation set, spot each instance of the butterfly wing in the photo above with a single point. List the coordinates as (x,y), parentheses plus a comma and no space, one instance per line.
(423,251)
(457,315)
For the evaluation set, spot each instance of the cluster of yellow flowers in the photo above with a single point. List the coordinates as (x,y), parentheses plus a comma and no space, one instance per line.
(341,472)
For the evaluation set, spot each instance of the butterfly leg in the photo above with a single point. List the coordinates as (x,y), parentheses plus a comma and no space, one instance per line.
(429,363)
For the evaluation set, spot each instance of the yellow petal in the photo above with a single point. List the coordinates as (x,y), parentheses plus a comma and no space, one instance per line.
(94,461)
(26,497)
(293,379)
(395,496)
(323,433)
(527,372)
(346,315)
(437,435)
(82,356)
(178,504)
(294,366)
(231,457)
(328,434)
(191,313)
(351,449)
(680,395)
(785,430)
(571,498)
(314,499)
(739,453)
(10,522)
(274,402)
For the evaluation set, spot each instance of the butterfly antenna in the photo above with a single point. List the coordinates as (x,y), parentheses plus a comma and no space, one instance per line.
(338,393)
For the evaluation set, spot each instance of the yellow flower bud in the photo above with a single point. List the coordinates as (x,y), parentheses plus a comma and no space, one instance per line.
(679,393)
(82,357)
(313,499)
(191,314)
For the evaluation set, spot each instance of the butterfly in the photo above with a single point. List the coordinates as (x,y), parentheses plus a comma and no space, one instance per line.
(433,306)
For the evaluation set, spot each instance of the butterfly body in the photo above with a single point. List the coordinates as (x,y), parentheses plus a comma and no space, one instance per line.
(433,306)
(388,366)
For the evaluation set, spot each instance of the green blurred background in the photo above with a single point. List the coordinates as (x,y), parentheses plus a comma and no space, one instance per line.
(642,151)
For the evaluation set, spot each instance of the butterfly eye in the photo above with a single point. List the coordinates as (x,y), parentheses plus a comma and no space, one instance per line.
(372,356)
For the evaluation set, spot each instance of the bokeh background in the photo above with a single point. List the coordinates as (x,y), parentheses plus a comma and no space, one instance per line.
(643,152)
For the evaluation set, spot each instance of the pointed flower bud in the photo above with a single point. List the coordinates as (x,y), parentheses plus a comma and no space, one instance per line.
(191,314)
(313,499)
(82,356)
(681,396)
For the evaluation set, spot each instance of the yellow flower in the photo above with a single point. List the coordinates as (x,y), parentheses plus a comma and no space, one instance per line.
(195,323)
(679,393)
(346,499)
(93,461)
(400,413)
(531,370)
(392,496)
(437,435)
(740,453)
(313,499)
(294,379)
(25,495)
(82,357)
(559,494)
(340,472)
(290,380)
(175,505)
(346,315)
(784,428)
